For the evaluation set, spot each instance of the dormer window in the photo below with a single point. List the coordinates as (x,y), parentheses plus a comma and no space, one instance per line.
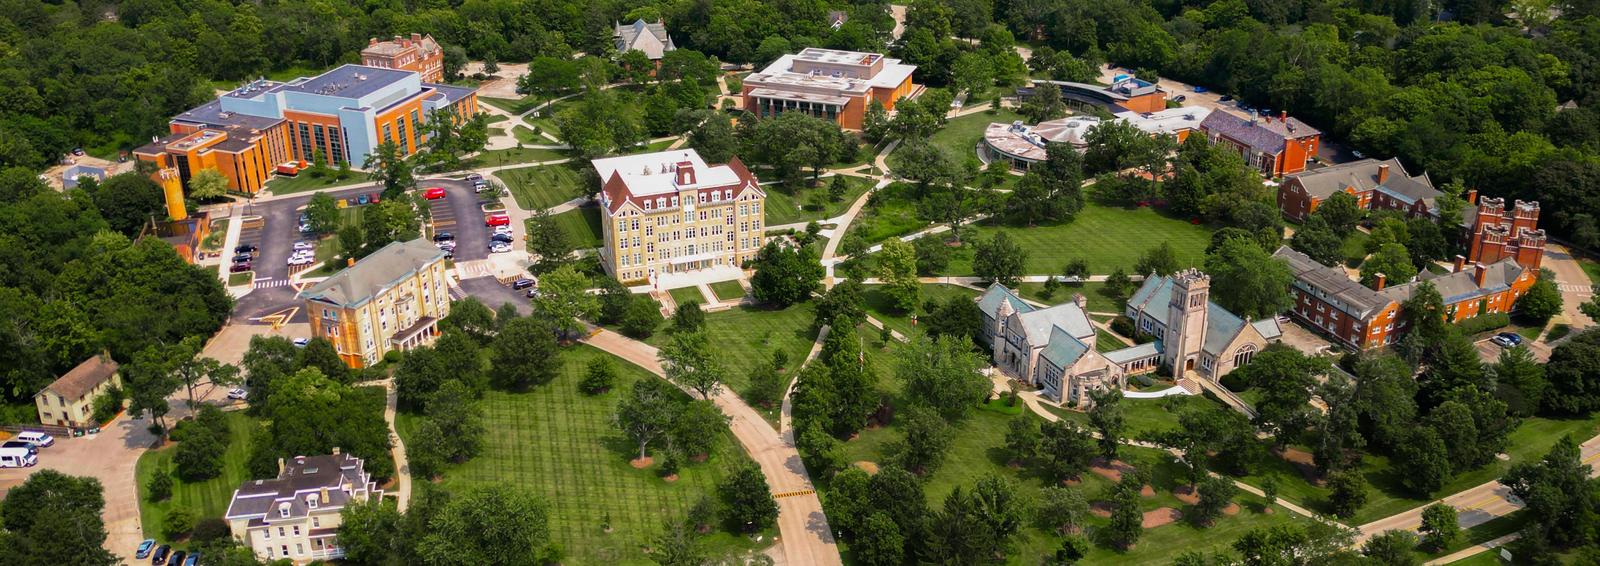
(311,501)
(727,194)
(283,509)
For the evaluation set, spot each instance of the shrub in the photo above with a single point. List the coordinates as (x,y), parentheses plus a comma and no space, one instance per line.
(180,520)
(1235,382)
(393,357)
(1484,323)
(160,486)
(209,529)
(107,404)
(1124,326)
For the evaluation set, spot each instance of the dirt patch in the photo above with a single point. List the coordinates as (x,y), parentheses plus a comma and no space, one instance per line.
(1161,517)
(669,478)
(1302,461)
(1231,510)
(871,468)
(1072,482)
(1100,509)
(1147,491)
(641,463)
(1186,494)
(699,458)
(1112,471)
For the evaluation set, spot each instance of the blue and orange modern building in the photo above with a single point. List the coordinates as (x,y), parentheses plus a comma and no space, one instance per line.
(341,116)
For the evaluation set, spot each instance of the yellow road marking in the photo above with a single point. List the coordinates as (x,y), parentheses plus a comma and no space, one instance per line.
(794,493)
(278,318)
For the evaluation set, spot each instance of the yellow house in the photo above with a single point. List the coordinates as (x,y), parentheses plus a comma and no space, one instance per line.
(295,516)
(670,212)
(69,401)
(390,300)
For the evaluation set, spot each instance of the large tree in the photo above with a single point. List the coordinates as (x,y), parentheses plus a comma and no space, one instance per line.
(493,525)
(942,373)
(691,362)
(1000,259)
(647,413)
(1253,283)
(525,354)
(391,169)
(54,518)
(564,300)
(897,268)
(1557,492)
(785,275)
(747,500)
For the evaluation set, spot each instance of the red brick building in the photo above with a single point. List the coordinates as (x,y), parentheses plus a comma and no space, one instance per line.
(1275,146)
(1499,234)
(1377,185)
(1327,300)
(419,54)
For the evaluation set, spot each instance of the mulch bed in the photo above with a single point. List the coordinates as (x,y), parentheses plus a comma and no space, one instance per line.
(1303,461)
(1186,494)
(871,468)
(1231,510)
(1100,509)
(641,463)
(1112,471)
(1161,517)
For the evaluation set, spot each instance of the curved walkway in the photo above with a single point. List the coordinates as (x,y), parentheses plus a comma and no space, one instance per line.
(803,533)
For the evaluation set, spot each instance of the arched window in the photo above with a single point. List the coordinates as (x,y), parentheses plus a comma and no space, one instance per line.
(1243,356)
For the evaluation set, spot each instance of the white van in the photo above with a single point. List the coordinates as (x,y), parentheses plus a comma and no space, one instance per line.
(36,438)
(16,458)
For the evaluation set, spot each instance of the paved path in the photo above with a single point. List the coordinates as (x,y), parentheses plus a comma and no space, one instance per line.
(804,537)
(402,466)
(1473,550)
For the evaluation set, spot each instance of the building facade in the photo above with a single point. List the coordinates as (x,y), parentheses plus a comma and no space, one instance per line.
(265,127)
(1376,185)
(69,400)
(419,54)
(295,516)
(648,38)
(1125,95)
(1021,145)
(671,212)
(1274,146)
(1193,333)
(1498,233)
(829,84)
(390,300)
(1358,317)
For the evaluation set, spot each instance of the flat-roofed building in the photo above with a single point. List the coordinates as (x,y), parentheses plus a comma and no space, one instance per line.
(1022,145)
(1125,95)
(390,300)
(671,212)
(296,516)
(828,83)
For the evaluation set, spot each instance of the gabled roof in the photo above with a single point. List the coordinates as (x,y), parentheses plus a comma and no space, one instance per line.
(1333,285)
(1463,285)
(644,176)
(990,300)
(1267,135)
(1037,324)
(1363,176)
(1221,325)
(1063,349)
(374,273)
(302,476)
(84,378)
(650,38)
(1125,355)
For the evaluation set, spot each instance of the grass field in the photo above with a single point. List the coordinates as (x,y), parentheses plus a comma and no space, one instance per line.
(514,106)
(281,185)
(582,226)
(328,249)
(787,205)
(961,135)
(542,186)
(546,118)
(728,291)
(527,136)
(243,278)
(683,295)
(1145,417)
(882,308)
(1106,237)
(894,215)
(561,446)
(1592,269)
(1094,291)
(513,156)
(744,334)
(1354,247)
(207,498)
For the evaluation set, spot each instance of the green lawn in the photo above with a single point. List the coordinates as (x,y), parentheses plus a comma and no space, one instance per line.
(328,249)
(242,278)
(882,308)
(514,106)
(893,215)
(1495,528)
(1145,417)
(513,156)
(495,118)
(728,291)
(1592,269)
(1105,341)
(582,226)
(545,121)
(744,334)
(683,295)
(1355,247)
(1106,237)
(281,185)
(526,135)
(542,186)
(788,205)
(960,136)
(218,233)
(207,498)
(561,446)
(1094,291)
(977,451)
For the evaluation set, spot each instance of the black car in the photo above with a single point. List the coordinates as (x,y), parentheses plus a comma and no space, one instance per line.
(245,249)
(177,558)
(443,237)
(474,177)
(502,238)
(244,257)
(521,284)
(160,556)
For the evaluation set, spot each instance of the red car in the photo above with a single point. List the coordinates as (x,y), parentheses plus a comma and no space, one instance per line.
(240,267)
(433,193)
(496,220)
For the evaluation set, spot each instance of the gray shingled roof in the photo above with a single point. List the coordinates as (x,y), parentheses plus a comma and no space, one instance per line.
(1264,135)
(1334,285)
(990,300)
(1064,349)
(1463,285)
(655,42)
(84,378)
(374,273)
(1037,325)
(300,475)
(1362,175)
(1152,299)
(1221,327)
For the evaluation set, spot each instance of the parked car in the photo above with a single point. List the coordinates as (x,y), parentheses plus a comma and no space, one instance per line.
(1199,89)
(304,246)
(433,193)
(497,220)
(14,443)
(499,248)
(144,549)
(521,284)
(17,458)
(238,394)
(299,260)
(1357,154)
(301,342)
(245,249)
(474,176)
(1179,98)
(305,227)
(160,557)
(372,198)
(240,267)
(361,199)
(503,229)
(241,258)
(36,438)
(450,253)
(194,559)
(1226,98)
(498,237)
(443,237)
(533,293)
(1507,339)
(177,558)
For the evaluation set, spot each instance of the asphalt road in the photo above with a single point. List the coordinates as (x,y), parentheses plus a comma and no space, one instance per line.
(457,213)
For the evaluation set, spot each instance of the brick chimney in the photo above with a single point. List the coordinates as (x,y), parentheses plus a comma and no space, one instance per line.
(1472,196)
(1383,173)
(1080,300)
(1479,272)
(1461,261)
(371,41)
(280,466)
(685,172)
(416,37)
(1380,281)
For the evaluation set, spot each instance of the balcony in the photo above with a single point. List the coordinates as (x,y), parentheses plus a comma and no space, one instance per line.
(327,553)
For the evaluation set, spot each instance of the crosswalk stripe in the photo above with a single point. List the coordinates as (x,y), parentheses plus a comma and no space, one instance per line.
(270,283)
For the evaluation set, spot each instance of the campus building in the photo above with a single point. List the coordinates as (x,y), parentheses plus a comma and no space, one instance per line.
(1125,95)
(69,400)
(1274,146)
(390,300)
(340,116)
(671,212)
(1022,145)
(419,54)
(827,83)
(1054,347)
(1376,185)
(1328,301)
(295,516)
(1498,233)
(648,38)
